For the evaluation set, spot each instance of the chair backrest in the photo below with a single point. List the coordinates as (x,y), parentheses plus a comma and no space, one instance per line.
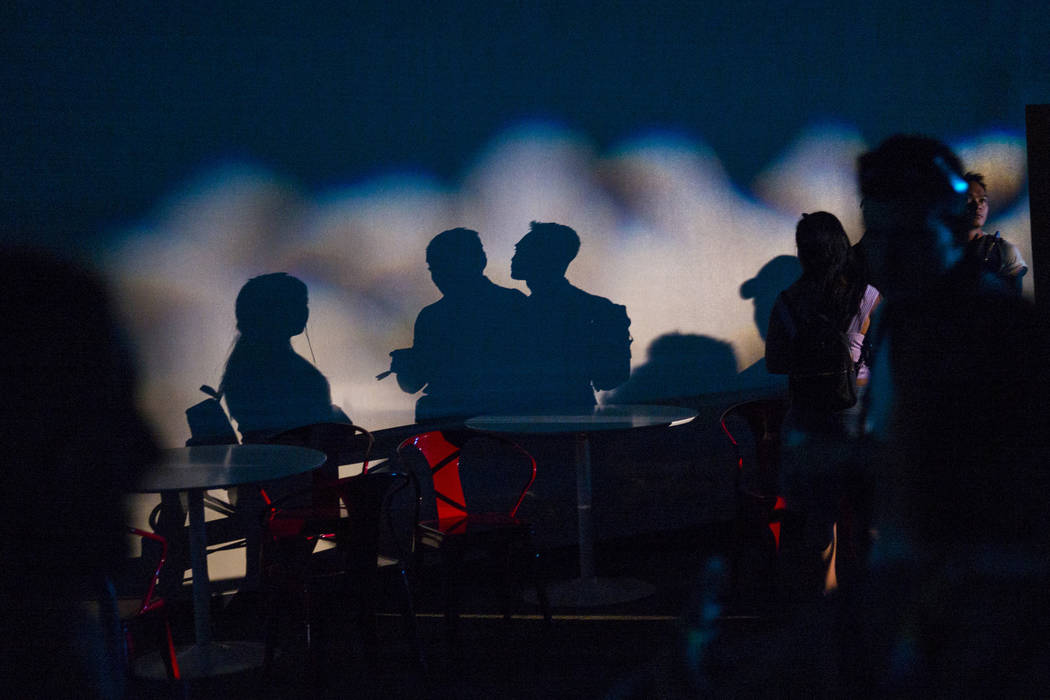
(758,446)
(342,443)
(365,497)
(496,474)
(137,583)
(151,569)
(360,502)
(757,449)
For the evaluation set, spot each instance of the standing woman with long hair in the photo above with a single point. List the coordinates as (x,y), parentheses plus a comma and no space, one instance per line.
(832,286)
(831,292)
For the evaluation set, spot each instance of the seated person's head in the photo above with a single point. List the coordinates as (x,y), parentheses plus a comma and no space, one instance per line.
(544,252)
(913,199)
(272,307)
(455,257)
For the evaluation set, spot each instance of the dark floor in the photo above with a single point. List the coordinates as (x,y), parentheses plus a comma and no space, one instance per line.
(590,652)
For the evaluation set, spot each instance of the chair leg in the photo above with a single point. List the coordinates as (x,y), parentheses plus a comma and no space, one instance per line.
(367,619)
(408,619)
(541,588)
(450,563)
(508,581)
(417,560)
(270,632)
(171,662)
(753,556)
(307,618)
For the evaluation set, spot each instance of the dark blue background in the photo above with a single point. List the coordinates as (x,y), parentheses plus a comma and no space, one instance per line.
(106,112)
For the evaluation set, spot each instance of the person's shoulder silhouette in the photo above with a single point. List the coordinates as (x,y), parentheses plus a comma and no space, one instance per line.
(268,386)
(581,340)
(467,345)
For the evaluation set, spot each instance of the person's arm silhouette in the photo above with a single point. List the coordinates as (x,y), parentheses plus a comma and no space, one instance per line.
(405,365)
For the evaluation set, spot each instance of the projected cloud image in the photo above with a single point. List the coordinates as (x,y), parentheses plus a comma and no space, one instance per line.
(664,231)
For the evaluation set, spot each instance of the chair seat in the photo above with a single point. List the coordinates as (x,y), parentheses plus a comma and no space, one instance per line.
(306,521)
(475,526)
(492,480)
(346,513)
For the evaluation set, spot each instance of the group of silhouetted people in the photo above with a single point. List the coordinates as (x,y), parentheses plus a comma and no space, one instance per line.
(940,455)
(480,349)
(938,466)
(483,348)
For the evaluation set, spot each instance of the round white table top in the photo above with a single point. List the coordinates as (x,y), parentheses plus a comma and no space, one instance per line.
(218,466)
(600,418)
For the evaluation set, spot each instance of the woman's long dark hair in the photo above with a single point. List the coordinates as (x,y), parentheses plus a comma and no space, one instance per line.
(830,267)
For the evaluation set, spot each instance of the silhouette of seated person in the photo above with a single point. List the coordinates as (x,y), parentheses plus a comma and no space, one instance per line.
(580,342)
(270,388)
(467,346)
(74,444)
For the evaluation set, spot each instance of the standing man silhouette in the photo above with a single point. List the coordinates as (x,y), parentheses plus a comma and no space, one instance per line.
(580,342)
(467,345)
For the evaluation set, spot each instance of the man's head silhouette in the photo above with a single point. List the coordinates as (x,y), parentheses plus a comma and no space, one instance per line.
(455,258)
(544,253)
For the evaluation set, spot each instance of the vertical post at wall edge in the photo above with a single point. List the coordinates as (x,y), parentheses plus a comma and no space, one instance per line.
(1037,133)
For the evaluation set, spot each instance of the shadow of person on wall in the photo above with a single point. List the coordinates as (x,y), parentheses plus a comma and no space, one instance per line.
(468,346)
(269,387)
(681,483)
(679,367)
(776,275)
(580,342)
(74,444)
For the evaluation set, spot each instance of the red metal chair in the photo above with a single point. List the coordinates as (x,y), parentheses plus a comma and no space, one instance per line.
(472,504)
(348,512)
(342,444)
(753,428)
(146,616)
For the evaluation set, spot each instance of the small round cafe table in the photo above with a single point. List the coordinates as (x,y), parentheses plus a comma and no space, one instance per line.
(195,470)
(588,589)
